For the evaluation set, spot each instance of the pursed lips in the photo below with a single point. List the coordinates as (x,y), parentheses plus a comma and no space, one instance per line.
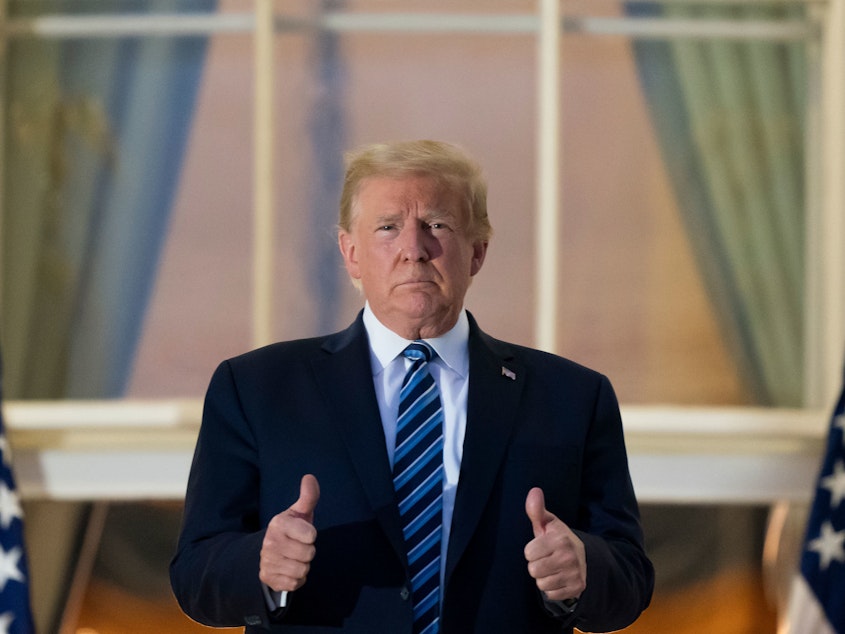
(414,282)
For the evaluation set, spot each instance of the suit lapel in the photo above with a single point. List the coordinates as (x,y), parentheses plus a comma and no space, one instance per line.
(495,384)
(346,382)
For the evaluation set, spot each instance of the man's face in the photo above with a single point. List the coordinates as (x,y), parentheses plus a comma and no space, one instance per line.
(412,250)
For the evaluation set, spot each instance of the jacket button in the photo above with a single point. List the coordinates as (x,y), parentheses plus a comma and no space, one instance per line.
(405,594)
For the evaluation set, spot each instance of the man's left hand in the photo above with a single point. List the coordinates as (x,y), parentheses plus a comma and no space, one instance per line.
(555,556)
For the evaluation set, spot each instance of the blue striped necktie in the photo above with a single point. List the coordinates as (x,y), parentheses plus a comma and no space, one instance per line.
(418,478)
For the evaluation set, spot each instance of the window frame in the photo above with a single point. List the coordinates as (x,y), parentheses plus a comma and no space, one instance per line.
(101,442)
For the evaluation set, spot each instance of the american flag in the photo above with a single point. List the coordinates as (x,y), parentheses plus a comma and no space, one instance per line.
(818,598)
(15,612)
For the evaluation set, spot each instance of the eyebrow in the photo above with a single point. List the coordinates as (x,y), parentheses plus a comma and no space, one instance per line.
(386,219)
(429,214)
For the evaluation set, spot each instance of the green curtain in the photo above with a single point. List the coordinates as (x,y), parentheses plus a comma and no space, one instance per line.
(729,116)
(95,134)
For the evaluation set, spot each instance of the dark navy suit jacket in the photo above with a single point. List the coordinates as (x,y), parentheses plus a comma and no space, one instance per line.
(309,406)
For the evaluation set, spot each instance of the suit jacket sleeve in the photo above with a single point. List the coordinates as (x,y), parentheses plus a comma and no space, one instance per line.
(620,578)
(214,573)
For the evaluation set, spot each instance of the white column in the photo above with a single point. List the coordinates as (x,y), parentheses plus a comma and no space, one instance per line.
(548,173)
(263,139)
(825,237)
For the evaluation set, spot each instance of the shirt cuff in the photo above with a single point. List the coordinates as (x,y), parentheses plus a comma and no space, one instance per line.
(275,600)
(560,608)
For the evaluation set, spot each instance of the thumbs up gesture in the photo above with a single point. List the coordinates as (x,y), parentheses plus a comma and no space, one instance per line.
(555,556)
(288,546)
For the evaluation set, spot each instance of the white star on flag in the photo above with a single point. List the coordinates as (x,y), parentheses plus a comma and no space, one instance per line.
(6,619)
(835,483)
(830,546)
(9,566)
(10,507)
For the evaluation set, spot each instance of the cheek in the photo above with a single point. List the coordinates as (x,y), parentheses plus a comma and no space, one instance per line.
(375,262)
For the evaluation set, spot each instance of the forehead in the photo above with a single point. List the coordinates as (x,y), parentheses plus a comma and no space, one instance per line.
(406,192)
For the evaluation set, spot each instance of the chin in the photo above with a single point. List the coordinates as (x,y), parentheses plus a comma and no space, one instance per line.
(419,310)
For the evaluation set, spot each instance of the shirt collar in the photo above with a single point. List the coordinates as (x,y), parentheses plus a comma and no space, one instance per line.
(385,345)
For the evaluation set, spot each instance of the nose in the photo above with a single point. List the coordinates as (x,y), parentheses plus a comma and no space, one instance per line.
(412,243)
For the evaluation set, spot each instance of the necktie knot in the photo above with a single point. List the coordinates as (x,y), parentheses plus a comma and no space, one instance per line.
(418,351)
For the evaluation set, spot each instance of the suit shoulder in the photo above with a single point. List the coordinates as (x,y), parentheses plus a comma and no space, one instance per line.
(280,349)
(275,356)
(304,349)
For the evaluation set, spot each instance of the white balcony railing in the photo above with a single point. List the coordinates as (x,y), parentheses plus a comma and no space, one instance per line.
(134,450)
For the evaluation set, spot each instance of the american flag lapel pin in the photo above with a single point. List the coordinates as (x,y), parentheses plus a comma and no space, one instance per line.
(509,373)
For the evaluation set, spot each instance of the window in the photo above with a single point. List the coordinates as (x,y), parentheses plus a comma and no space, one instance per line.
(631,296)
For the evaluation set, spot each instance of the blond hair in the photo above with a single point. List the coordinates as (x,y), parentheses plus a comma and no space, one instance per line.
(444,162)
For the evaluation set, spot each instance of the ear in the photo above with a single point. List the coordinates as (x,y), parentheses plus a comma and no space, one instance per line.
(479,252)
(346,243)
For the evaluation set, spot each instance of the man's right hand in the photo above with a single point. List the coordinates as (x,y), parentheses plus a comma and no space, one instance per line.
(288,547)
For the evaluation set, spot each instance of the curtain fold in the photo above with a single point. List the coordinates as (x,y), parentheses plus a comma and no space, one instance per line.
(96,131)
(729,119)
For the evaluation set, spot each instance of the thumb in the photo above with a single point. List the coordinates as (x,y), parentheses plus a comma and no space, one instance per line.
(535,508)
(309,495)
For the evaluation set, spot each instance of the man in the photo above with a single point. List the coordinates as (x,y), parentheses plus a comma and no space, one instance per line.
(299,516)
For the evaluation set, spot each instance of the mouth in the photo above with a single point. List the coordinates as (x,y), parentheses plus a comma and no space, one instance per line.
(415,283)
